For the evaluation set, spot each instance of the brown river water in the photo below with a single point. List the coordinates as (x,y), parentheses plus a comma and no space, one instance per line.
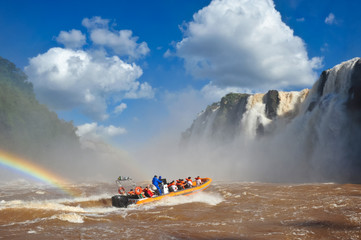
(226,210)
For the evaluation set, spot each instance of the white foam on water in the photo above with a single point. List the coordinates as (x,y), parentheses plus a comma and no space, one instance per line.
(355,218)
(36,220)
(41,205)
(199,224)
(165,217)
(69,217)
(98,211)
(317,207)
(208,198)
(60,205)
(212,231)
(89,198)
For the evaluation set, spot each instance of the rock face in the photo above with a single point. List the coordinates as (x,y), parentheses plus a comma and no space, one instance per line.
(238,113)
(308,135)
(220,119)
(271,99)
(27,127)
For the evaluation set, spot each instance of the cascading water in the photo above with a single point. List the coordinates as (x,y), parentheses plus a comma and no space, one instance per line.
(311,135)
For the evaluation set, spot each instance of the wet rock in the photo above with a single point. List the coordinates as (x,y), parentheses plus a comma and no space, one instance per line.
(272,101)
(311,106)
(322,81)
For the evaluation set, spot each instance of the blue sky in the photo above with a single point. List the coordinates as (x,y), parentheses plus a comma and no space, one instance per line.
(128,71)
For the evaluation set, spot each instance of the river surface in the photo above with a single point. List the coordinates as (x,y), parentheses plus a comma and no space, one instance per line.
(226,210)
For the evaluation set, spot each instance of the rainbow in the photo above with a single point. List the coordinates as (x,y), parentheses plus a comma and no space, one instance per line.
(35,171)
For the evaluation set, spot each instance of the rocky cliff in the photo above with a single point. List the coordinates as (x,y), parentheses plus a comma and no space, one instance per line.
(308,135)
(28,128)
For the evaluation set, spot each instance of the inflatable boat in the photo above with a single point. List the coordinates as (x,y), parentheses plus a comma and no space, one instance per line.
(123,199)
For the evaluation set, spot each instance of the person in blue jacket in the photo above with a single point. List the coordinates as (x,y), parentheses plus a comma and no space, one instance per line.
(156,183)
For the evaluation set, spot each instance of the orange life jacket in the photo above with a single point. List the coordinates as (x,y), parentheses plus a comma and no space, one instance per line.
(179,183)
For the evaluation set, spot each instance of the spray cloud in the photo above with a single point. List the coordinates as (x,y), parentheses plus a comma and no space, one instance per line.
(310,135)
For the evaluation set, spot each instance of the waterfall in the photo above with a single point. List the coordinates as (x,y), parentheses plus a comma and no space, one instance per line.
(311,135)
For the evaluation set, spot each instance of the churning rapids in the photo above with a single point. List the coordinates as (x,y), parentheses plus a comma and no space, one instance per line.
(226,210)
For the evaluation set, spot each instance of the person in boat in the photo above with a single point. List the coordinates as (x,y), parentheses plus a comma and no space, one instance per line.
(138,191)
(198,181)
(180,184)
(131,192)
(156,183)
(172,187)
(162,182)
(184,182)
(189,182)
(151,192)
(148,192)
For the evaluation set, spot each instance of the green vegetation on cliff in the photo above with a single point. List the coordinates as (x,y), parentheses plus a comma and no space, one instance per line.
(27,127)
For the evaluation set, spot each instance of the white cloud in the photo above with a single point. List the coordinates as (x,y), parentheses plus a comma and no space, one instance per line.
(120,108)
(330,19)
(244,44)
(300,19)
(72,39)
(142,90)
(95,22)
(122,42)
(167,54)
(93,131)
(66,79)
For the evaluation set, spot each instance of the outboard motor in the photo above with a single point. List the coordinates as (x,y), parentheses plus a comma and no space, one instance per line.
(165,189)
(120,201)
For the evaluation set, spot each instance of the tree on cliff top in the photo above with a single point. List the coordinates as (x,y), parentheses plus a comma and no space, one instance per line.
(27,127)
